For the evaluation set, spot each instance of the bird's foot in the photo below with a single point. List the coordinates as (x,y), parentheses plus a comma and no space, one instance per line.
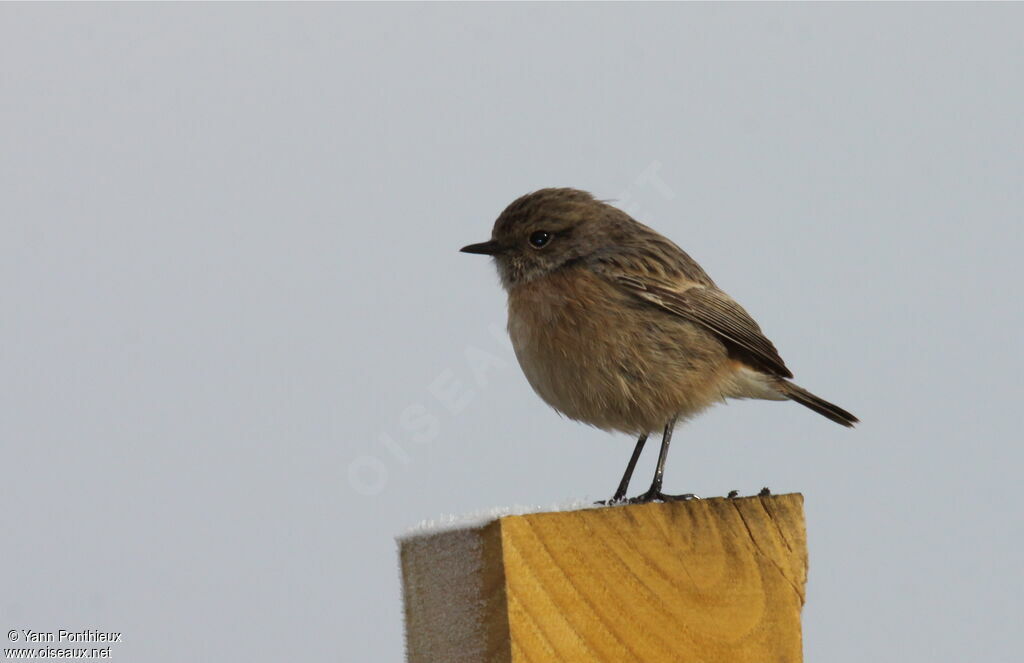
(651,495)
(617,499)
(658,496)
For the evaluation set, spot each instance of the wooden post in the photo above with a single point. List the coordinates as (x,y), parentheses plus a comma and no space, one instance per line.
(716,580)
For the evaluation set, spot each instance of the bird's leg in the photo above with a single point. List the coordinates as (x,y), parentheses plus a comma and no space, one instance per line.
(659,471)
(659,474)
(620,493)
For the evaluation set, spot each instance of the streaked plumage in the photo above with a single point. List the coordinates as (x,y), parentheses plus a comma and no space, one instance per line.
(616,326)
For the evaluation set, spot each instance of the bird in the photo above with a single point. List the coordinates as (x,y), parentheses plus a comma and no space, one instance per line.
(617,327)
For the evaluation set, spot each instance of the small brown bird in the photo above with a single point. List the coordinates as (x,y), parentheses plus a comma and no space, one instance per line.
(617,327)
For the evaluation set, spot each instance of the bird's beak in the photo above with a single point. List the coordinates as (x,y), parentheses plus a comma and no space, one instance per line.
(488,248)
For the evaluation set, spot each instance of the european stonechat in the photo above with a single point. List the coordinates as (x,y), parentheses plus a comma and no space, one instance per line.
(617,327)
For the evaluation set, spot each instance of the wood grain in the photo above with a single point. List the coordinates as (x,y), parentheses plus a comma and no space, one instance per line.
(711,580)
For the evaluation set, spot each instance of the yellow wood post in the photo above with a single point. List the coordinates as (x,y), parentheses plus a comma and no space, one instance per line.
(715,580)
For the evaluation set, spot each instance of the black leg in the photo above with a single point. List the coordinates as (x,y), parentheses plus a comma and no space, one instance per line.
(624,484)
(659,474)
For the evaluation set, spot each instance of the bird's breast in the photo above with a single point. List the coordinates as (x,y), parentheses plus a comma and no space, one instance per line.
(599,356)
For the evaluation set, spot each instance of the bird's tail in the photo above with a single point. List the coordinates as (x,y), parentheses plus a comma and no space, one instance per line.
(819,405)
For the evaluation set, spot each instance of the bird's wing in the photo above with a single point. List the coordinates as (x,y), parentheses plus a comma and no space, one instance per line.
(717,312)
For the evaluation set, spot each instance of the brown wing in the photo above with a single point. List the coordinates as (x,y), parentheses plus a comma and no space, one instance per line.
(717,312)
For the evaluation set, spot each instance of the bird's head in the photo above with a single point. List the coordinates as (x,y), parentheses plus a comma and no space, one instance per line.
(547,229)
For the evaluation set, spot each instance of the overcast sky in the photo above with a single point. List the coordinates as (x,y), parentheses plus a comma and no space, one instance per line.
(241,353)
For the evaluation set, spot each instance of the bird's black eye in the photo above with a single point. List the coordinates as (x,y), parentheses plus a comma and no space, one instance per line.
(540,238)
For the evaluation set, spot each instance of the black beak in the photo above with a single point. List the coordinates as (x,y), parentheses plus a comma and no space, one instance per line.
(488,248)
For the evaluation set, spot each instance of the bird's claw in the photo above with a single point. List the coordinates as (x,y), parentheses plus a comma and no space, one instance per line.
(658,496)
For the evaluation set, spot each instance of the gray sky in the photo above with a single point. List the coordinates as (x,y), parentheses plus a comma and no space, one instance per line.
(241,352)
